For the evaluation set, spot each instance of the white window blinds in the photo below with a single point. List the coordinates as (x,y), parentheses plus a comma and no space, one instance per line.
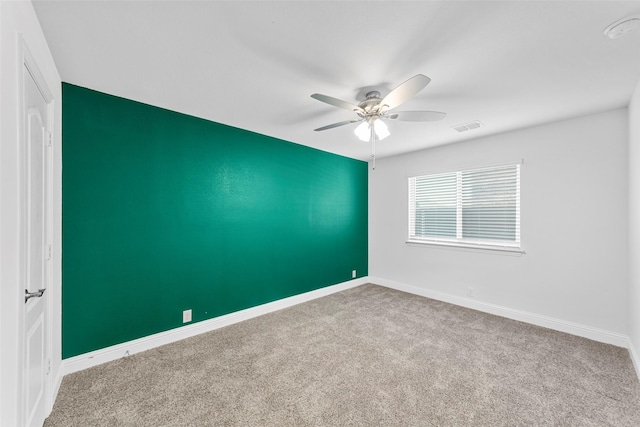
(480,206)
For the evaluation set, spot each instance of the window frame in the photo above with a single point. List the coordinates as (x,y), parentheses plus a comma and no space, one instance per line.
(482,245)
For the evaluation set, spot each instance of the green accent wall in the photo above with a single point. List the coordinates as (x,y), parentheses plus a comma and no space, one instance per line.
(164,212)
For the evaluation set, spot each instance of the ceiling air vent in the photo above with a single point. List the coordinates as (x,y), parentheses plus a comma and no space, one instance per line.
(468,126)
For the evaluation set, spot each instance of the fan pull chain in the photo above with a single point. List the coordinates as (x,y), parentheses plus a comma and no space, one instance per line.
(373,147)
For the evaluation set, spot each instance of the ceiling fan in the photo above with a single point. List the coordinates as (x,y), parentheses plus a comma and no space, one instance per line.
(374,110)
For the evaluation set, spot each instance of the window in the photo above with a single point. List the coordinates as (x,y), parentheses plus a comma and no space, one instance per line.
(471,208)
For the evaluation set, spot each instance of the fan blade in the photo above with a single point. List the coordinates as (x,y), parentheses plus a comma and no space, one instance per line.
(337,102)
(417,116)
(335,125)
(405,91)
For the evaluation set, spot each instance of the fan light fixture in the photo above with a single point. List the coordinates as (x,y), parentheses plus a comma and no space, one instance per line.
(363,131)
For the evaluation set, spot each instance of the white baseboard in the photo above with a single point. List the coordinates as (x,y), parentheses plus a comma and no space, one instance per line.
(510,313)
(57,380)
(94,358)
(634,357)
(98,357)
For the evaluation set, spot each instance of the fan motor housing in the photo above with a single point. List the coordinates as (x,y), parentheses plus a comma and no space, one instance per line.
(373,100)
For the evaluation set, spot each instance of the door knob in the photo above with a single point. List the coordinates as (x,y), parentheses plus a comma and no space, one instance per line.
(36,294)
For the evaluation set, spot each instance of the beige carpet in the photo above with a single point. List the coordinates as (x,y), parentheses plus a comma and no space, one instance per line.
(368,356)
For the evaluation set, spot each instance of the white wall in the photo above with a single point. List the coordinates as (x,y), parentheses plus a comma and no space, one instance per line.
(573,224)
(634,227)
(18,18)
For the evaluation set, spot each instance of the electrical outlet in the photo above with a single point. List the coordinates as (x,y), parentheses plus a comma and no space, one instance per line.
(471,292)
(186,316)
(353,274)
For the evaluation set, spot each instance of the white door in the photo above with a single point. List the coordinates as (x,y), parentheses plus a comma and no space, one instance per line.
(36,249)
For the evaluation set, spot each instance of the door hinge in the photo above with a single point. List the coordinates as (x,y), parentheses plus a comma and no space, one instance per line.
(48,366)
(49,139)
(49,252)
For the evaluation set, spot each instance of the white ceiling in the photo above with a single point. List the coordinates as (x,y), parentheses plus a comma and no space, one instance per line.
(254,65)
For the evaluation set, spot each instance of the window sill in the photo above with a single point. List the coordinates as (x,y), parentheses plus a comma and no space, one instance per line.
(502,250)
